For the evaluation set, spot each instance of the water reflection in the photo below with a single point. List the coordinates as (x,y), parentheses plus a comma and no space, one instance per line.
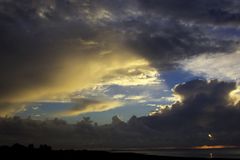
(215,152)
(210,155)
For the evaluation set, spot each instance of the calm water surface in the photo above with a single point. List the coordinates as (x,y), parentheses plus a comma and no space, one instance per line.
(207,153)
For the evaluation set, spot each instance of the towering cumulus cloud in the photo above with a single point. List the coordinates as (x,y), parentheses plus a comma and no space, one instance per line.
(203,104)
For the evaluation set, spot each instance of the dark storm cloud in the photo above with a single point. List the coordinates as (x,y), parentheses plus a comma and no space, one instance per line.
(205,108)
(169,41)
(200,98)
(37,35)
(173,30)
(31,46)
(199,11)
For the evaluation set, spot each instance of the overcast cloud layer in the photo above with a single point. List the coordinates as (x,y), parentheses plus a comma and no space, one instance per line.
(52,47)
(56,50)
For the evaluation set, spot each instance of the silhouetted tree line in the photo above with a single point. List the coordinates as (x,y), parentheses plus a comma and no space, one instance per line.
(21,148)
(45,151)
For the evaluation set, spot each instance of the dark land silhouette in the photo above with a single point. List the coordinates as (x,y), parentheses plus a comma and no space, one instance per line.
(45,151)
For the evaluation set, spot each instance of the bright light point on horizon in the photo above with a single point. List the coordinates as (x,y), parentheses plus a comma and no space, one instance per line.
(210,136)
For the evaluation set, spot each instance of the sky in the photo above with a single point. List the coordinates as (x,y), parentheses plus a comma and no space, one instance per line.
(138,67)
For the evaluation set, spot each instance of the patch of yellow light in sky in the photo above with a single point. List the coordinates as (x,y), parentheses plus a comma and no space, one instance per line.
(88,42)
(135,97)
(234,96)
(81,71)
(92,107)
(143,75)
(119,96)
(8,109)
(160,109)
(153,113)
(175,98)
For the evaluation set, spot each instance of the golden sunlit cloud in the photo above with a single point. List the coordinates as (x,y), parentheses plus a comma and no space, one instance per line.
(85,106)
(135,97)
(78,71)
(235,96)
(9,109)
(135,73)
(119,96)
(159,109)
(175,98)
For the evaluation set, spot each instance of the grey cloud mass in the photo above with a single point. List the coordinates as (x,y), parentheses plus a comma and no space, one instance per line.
(37,36)
(204,109)
(62,46)
(216,12)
